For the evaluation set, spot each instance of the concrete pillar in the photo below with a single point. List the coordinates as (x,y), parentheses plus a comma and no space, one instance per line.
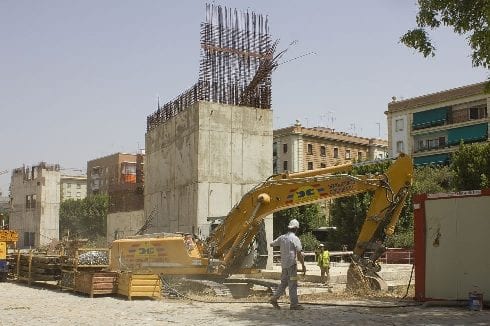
(202,161)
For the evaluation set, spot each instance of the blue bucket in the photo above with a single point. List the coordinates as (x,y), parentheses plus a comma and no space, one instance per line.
(475,301)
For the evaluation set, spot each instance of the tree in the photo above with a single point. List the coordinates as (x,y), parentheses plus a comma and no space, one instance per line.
(309,217)
(86,218)
(471,165)
(432,179)
(348,215)
(468,17)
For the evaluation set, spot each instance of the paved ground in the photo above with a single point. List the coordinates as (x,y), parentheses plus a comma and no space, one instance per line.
(23,305)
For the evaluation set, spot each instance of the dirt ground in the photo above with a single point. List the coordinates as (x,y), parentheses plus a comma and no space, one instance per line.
(23,305)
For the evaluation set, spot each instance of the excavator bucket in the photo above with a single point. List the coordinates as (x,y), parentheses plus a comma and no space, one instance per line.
(358,281)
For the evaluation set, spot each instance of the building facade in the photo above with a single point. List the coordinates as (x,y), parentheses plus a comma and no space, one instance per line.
(73,187)
(431,127)
(121,177)
(298,149)
(35,204)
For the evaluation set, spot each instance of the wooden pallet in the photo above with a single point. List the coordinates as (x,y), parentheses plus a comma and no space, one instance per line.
(139,285)
(37,267)
(93,283)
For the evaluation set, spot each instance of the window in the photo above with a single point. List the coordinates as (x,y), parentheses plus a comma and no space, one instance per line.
(285,165)
(431,143)
(79,186)
(284,148)
(399,146)
(68,185)
(30,201)
(323,151)
(359,156)
(310,165)
(442,141)
(274,148)
(477,113)
(310,149)
(29,239)
(323,165)
(335,153)
(421,145)
(347,154)
(399,125)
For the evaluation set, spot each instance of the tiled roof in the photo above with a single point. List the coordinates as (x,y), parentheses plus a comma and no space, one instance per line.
(443,96)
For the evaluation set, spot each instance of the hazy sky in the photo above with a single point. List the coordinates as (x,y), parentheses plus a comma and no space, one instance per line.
(78,78)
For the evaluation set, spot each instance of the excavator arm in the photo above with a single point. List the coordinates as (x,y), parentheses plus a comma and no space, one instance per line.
(231,239)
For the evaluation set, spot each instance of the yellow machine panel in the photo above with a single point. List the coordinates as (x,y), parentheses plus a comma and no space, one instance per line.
(3,250)
(169,255)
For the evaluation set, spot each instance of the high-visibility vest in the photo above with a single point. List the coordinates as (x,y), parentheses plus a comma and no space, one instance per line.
(323,259)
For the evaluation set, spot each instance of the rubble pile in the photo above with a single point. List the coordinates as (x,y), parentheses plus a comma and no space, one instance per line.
(93,257)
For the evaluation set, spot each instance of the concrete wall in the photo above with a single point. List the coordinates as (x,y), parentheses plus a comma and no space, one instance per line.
(124,224)
(201,162)
(50,207)
(43,218)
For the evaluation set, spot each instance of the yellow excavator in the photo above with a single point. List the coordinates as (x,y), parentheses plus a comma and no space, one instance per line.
(224,251)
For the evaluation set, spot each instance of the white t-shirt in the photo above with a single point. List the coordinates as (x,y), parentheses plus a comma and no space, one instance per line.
(290,245)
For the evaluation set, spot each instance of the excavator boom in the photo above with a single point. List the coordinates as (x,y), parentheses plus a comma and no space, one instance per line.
(221,254)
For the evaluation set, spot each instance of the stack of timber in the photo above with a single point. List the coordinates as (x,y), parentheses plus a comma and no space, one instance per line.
(82,261)
(92,283)
(35,267)
(139,285)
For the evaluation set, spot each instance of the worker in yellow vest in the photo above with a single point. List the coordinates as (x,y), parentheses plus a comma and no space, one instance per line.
(323,261)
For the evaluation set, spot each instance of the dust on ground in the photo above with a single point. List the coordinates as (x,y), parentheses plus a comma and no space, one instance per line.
(28,305)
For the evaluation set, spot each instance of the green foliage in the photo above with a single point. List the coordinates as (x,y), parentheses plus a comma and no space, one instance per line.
(348,214)
(471,165)
(86,218)
(470,18)
(309,217)
(432,179)
(403,239)
(309,242)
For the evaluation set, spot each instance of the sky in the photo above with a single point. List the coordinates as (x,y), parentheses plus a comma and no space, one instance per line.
(79,78)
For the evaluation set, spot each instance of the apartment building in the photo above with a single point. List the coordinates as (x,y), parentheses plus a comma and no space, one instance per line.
(35,204)
(297,148)
(121,177)
(431,127)
(73,187)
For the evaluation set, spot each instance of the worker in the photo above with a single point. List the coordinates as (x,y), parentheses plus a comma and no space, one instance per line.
(323,261)
(189,241)
(291,249)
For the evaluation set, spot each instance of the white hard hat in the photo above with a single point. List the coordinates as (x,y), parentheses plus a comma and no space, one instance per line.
(293,224)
